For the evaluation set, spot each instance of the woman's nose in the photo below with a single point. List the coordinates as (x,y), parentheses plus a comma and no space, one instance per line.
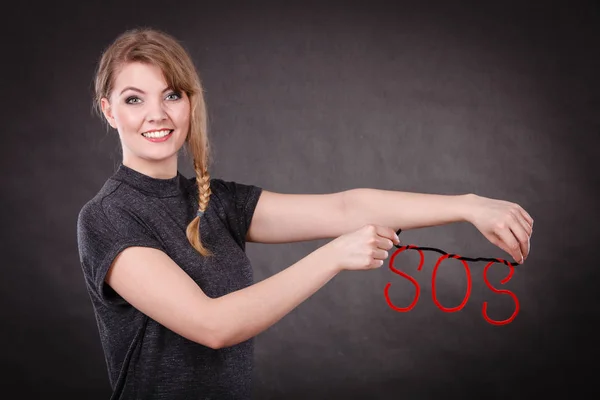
(156,112)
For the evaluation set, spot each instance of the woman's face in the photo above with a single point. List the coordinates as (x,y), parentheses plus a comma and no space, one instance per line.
(140,105)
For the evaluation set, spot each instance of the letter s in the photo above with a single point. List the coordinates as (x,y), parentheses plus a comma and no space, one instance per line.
(511,294)
(410,278)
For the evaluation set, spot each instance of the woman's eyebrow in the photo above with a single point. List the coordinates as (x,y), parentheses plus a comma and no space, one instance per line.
(139,90)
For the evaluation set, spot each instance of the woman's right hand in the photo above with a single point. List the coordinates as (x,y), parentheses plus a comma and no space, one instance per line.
(363,249)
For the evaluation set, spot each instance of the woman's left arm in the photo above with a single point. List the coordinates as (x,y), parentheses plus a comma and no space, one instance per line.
(505,224)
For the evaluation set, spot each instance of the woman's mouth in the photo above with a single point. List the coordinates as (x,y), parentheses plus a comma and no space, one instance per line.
(158,136)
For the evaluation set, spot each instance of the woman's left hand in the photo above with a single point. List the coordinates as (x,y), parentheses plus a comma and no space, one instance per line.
(505,224)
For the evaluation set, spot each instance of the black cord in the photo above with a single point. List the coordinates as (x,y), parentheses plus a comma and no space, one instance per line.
(456,256)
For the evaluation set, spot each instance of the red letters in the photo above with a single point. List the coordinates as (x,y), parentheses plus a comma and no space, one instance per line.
(435,300)
(469,284)
(410,278)
(493,289)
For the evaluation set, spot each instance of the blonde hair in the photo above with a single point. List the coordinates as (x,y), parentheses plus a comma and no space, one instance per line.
(152,46)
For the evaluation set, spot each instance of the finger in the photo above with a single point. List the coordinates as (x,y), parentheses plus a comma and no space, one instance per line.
(527,217)
(509,243)
(528,229)
(384,243)
(379,254)
(388,233)
(522,237)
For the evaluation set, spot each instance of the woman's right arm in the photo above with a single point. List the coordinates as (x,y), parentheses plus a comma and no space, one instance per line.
(153,283)
(246,313)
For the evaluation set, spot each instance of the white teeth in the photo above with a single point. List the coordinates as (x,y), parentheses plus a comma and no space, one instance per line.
(156,134)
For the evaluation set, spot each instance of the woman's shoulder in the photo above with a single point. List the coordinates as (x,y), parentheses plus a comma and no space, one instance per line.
(95,203)
(113,197)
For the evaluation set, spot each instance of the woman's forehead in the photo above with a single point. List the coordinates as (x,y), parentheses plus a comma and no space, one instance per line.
(146,77)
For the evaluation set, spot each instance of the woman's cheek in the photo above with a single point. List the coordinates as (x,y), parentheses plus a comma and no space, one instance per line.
(131,118)
(183,116)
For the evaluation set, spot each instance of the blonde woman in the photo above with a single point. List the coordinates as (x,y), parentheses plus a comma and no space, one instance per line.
(163,256)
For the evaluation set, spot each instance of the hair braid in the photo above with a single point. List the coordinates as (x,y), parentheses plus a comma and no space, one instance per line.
(193,229)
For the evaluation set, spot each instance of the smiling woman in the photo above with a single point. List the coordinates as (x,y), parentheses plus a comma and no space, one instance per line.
(175,301)
(149,275)
(145,110)
(163,256)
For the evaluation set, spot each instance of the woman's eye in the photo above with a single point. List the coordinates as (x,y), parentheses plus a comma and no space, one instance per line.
(177,95)
(128,100)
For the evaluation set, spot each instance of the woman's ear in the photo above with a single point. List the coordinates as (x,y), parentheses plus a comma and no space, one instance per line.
(107,111)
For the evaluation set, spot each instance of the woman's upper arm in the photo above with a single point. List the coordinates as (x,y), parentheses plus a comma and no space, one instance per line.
(153,283)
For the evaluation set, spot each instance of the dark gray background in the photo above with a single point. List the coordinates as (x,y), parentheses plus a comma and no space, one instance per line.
(498,99)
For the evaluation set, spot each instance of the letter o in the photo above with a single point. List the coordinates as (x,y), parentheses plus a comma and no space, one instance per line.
(469,283)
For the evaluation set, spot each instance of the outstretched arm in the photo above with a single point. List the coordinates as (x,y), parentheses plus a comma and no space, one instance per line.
(505,224)
(404,210)
(284,218)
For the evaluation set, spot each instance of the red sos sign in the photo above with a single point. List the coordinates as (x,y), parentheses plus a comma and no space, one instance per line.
(469,284)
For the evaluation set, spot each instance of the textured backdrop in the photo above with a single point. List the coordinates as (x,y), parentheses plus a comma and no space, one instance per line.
(497,99)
